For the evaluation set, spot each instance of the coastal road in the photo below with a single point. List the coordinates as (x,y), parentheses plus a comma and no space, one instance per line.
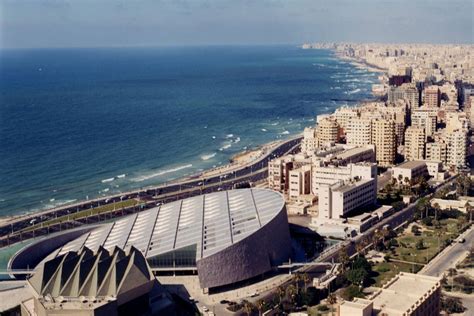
(448,257)
(251,172)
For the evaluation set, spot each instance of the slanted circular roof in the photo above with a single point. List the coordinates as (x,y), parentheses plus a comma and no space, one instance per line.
(211,222)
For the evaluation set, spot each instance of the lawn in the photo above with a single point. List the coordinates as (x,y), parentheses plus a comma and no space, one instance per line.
(85,213)
(384,271)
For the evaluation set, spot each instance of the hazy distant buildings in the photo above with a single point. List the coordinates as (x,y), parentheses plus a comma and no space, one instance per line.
(431,97)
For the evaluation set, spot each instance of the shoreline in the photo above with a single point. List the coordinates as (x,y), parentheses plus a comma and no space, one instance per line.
(236,161)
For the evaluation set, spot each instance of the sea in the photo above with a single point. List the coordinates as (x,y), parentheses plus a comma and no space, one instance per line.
(77,124)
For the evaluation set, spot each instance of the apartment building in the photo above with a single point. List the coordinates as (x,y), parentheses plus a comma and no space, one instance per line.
(384,139)
(456,154)
(415,143)
(344,115)
(424,118)
(359,132)
(432,97)
(310,141)
(327,131)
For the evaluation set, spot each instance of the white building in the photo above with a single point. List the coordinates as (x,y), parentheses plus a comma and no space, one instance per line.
(339,199)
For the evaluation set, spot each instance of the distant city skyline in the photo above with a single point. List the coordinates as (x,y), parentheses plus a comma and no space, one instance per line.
(74,23)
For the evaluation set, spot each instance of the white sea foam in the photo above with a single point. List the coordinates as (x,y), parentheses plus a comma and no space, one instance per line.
(226,146)
(353,91)
(108,180)
(213,137)
(275,124)
(208,156)
(264,129)
(105,190)
(120,176)
(160,173)
(52,200)
(284,133)
(237,140)
(229,136)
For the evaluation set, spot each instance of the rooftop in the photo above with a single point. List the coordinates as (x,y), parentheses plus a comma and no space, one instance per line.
(208,223)
(404,292)
(411,164)
(347,186)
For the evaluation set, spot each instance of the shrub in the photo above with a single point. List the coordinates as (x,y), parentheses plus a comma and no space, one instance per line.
(322,308)
(452,305)
(352,291)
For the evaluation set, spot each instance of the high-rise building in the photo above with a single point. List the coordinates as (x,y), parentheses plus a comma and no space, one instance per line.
(359,131)
(278,173)
(415,143)
(384,139)
(432,97)
(310,141)
(327,131)
(407,91)
(423,118)
(344,115)
(456,148)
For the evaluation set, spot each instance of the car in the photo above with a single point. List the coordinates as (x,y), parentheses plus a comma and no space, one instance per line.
(254,294)
(460,240)
(205,309)
(224,302)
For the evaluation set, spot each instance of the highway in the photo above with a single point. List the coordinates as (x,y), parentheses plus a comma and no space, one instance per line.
(257,170)
(448,257)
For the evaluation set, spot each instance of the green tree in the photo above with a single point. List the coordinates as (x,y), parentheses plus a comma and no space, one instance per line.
(357,276)
(419,244)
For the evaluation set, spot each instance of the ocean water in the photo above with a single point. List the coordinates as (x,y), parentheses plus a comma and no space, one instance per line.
(77,123)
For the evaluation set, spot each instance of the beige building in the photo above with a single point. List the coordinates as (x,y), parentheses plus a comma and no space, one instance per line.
(411,170)
(310,142)
(432,97)
(456,148)
(424,118)
(414,143)
(359,132)
(299,182)
(327,131)
(456,121)
(384,139)
(344,115)
(406,294)
(436,151)
(279,170)
(354,155)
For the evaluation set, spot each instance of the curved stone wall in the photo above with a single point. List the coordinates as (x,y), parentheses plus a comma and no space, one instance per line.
(252,256)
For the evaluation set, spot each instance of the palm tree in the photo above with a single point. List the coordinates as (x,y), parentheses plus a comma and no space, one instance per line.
(331,299)
(298,279)
(291,292)
(343,257)
(260,306)
(280,292)
(248,308)
(436,209)
(306,280)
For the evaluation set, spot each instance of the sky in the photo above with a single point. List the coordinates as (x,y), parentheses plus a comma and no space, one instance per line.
(122,23)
